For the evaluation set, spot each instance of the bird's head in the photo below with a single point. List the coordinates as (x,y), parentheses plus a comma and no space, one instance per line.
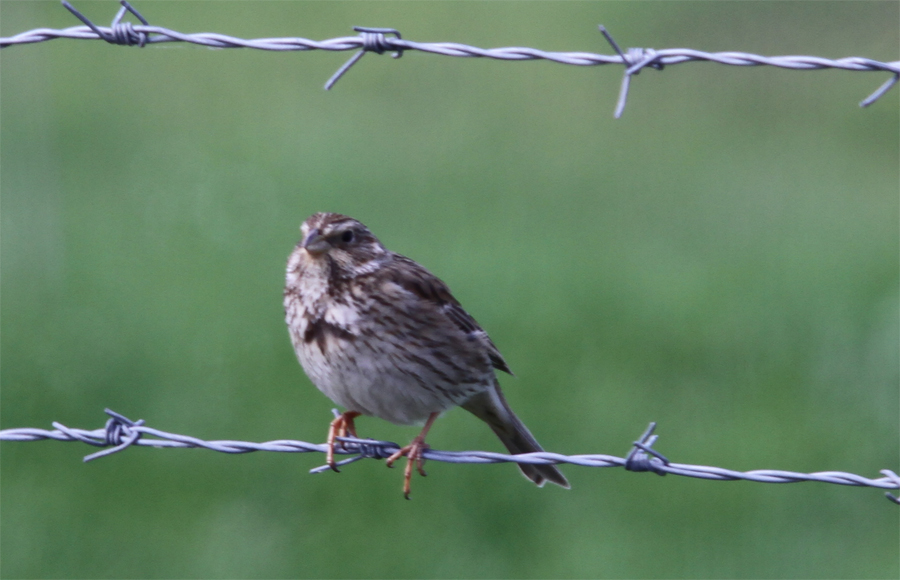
(338,242)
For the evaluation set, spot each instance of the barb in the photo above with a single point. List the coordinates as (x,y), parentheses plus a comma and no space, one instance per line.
(119,32)
(121,433)
(896,479)
(634,61)
(638,459)
(374,40)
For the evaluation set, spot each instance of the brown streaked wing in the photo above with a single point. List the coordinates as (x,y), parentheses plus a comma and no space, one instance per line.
(414,278)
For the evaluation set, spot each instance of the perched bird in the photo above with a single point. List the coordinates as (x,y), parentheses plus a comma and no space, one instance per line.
(382,336)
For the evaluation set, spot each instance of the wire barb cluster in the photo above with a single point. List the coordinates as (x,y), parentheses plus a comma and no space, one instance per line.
(375,40)
(119,32)
(121,433)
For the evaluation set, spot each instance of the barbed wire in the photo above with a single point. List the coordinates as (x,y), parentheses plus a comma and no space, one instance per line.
(121,433)
(377,40)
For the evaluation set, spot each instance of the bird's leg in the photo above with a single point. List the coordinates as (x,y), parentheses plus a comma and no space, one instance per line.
(414,455)
(339,428)
(349,426)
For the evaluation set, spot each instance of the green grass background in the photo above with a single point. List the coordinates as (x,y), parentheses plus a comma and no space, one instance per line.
(722,260)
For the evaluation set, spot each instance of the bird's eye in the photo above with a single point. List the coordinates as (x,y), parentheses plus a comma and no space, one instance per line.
(347,236)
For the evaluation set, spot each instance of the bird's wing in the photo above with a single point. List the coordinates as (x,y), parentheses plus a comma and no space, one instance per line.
(414,278)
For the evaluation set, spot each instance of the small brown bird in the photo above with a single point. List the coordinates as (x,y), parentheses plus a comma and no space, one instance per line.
(380,335)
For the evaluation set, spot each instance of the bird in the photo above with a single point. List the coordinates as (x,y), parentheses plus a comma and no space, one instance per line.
(382,336)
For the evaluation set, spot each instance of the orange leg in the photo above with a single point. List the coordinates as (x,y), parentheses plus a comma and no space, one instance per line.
(414,455)
(339,428)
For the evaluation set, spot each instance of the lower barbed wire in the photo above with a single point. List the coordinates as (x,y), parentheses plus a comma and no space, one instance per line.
(121,433)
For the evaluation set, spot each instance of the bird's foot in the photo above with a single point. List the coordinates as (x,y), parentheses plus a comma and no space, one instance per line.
(415,455)
(340,427)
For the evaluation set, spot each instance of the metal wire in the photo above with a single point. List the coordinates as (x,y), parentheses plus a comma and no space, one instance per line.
(121,433)
(375,40)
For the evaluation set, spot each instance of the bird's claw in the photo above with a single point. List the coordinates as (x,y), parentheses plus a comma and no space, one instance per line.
(339,427)
(414,453)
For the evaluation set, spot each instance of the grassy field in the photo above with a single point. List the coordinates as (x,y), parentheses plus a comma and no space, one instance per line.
(722,260)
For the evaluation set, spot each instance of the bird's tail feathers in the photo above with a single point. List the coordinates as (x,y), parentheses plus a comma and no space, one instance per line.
(491,407)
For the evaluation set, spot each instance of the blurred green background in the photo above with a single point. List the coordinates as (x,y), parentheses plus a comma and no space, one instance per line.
(722,260)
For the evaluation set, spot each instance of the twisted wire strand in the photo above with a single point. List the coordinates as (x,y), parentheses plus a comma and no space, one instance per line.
(666,57)
(375,40)
(121,433)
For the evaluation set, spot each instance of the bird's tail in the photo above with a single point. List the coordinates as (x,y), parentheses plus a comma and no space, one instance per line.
(491,407)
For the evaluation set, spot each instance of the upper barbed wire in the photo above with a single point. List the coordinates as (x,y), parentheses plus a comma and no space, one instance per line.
(375,40)
(121,433)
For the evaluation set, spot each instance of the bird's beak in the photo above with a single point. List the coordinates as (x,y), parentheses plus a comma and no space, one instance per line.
(315,243)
